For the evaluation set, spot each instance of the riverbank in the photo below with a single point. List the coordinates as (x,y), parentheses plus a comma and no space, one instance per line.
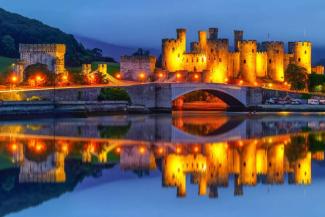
(36,109)
(12,110)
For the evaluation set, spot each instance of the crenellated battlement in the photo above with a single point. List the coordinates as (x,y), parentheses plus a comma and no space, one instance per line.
(47,48)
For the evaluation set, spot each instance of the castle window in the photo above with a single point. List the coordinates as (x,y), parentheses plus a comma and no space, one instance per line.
(186,60)
(277,51)
(244,61)
(299,60)
(270,61)
(179,55)
(211,50)
(197,60)
(202,60)
(173,49)
(305,52)
(253,51)
(220,60)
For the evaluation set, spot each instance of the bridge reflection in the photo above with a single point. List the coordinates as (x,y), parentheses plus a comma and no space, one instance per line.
(245,162)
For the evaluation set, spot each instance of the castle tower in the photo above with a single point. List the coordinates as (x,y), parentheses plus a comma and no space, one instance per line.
(86,69)
(247,51)
(213,34)
(302,54)
(181,36)
(302,170)
(248,164)
(238,36)
(261,64)
(218,56)
(275,54)
(173,51)
(203,40)
(275,169)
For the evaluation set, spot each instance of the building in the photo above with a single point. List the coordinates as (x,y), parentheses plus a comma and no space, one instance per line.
(139,67)
(51,55)
(211,60)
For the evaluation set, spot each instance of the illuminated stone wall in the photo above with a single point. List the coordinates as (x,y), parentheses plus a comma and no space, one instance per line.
(248,50)
(50,54)
(261,64)
(275,60)
(137,67)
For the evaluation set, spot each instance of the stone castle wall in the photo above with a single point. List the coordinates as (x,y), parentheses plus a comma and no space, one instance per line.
(50,54)
(248,61)
(137,67)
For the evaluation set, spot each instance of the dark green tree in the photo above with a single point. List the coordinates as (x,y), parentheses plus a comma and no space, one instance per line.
(315,82)
(8,46)
(296,76)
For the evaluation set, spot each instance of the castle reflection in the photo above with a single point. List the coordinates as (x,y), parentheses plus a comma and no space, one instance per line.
(245,162)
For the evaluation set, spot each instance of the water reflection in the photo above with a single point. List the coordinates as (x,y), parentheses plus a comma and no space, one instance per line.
(265,160)
(45,159)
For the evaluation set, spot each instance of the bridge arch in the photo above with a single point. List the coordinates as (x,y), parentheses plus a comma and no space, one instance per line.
(228,98)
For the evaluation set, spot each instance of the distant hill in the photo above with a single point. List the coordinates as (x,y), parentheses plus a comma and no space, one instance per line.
(114,51)
(15,29)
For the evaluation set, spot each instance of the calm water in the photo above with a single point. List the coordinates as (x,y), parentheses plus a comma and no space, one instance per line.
(185,164)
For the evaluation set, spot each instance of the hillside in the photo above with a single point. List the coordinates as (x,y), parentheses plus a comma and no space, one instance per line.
(112,50)
(15,29)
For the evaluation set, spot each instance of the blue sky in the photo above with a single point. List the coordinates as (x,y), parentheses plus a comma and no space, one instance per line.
(145,22)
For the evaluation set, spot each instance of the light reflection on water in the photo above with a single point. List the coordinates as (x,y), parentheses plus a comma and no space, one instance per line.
(185,155)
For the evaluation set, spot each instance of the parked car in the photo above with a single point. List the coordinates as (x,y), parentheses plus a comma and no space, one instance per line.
(272,101)
(313,102)
(296,102)
(322,101)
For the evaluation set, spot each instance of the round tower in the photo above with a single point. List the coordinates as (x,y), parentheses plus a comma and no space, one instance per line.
(238,36)
(302,54)
(247,51)
(275,61)
(203,40)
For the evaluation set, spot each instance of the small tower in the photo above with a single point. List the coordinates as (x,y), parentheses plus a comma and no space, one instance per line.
(302,54)
(248,50)
(238,36)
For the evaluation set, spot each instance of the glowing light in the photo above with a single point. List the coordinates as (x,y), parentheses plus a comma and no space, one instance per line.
(178,75)
(39,147)
(65,78)
(118,150)
(160,150)
(255,83)
(14,147)
(196,149)
(270,85)
(142,150)
(196,76)
(14,79)
(142,75)
(39,78)
(118,75)
(226,80)
(160,75)
(240,82)
(178,150)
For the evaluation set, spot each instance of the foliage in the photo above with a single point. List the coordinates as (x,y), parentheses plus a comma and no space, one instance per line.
(35,71)
(316,142)
(296,76)
(316,82)
(306,96)
(5,68)
(296,149)
(113,94)
(16,29)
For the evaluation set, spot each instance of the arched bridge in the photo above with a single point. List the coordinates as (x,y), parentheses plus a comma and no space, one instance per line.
(161,95)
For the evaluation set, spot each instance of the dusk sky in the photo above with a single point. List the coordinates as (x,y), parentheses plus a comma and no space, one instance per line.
(145,22)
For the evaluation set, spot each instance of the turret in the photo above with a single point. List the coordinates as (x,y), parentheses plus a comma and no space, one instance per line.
(275,54)
(302,54)
(238,36)
(203,40)
(248,51)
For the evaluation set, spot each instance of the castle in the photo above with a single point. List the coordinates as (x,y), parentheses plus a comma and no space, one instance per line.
(211,60)
(51,55)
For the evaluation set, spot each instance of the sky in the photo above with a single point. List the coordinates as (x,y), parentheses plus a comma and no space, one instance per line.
(143,23)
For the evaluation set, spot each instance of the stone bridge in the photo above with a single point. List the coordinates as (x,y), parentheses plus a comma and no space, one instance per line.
(161,95)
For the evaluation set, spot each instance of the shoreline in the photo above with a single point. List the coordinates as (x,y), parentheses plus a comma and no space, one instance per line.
(40,109)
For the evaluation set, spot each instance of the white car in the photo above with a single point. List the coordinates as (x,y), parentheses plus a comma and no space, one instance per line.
(313,101)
